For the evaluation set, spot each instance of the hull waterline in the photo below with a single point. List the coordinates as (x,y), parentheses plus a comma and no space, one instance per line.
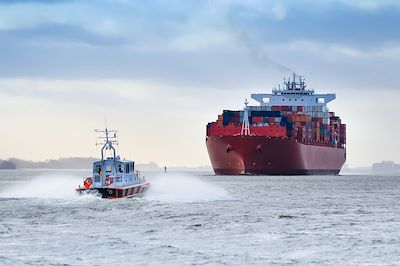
(114,193)
(237,155)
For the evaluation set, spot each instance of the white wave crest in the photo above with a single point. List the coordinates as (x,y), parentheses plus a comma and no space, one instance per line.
(184,188)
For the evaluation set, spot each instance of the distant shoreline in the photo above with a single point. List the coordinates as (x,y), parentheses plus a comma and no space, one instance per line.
(84,163)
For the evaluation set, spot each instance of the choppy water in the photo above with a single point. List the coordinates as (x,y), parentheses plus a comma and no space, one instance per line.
(198,219)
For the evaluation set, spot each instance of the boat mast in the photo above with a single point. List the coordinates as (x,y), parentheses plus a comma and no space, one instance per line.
(246,124)
(108,141)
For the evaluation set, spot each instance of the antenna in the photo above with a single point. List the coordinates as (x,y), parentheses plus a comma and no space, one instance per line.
(105,122)
(107,141)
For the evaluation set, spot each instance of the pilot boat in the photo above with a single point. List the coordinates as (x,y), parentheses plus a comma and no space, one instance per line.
(113,177)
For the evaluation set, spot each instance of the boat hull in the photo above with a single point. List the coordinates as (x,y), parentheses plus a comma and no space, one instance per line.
(258,155)
(115,193)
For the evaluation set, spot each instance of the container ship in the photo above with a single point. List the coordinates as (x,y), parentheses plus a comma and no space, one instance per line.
(290,132)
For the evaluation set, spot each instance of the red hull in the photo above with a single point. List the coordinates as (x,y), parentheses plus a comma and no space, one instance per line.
(235,155)
(115,193)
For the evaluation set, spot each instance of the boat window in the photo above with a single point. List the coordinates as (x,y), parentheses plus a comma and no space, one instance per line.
(97,168)
(127,168)
(108,168)
(120,168)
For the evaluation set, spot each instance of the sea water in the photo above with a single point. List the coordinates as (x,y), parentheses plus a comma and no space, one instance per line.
(201,219)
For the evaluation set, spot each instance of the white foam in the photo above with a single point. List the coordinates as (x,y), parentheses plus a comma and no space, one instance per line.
(45,186)
(184,188)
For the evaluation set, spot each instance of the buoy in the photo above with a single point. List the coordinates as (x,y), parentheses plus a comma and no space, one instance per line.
(88,182)
(108,181)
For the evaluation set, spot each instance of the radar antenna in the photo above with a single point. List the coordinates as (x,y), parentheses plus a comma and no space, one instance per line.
(107,141)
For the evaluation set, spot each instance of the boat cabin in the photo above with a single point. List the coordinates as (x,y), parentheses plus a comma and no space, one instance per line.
(114,172)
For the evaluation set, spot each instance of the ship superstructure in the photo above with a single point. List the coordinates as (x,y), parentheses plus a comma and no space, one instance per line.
(291,131)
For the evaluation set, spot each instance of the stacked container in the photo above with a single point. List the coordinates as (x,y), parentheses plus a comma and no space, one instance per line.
(304,123)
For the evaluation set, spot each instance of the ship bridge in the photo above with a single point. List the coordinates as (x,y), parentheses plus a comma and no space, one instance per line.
(293,93)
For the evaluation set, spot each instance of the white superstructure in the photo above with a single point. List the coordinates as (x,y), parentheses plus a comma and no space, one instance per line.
(294,93)
(113,172)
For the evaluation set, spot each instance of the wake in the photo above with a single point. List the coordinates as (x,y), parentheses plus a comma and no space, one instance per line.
(44,186)
(175,187)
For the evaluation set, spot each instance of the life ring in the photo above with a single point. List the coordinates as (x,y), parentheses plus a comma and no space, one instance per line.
(88,182)
(108,181)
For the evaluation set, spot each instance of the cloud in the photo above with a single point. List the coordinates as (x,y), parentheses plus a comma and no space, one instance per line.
(34,1)
(192,43)
(335,50)
(105,18)
(372,4)
(69,92)
(166,24)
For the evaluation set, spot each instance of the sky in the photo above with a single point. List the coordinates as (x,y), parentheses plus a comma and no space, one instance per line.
(158,71)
